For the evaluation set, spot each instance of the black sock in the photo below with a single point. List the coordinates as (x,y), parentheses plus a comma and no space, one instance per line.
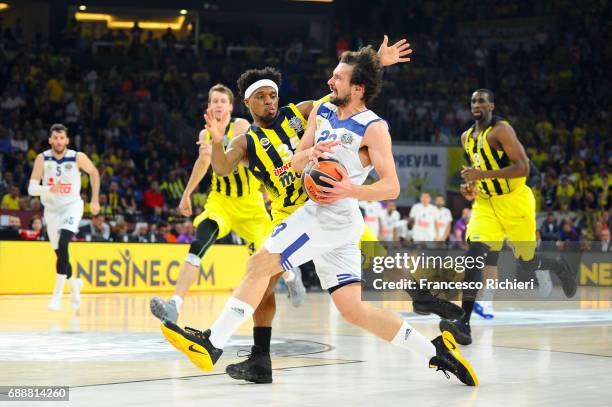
(262,335)
(468,306)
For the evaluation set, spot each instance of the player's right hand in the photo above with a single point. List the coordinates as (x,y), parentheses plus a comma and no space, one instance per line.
(216,125)
(55,189)
(468,191)
(185,206)
(322,147)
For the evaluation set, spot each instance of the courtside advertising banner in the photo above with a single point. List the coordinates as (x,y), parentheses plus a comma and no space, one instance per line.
(117,267)
(420,169)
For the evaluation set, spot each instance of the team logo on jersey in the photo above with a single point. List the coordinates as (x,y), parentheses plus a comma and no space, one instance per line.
(68,167)
(296,124)
(346,138)
(265,143)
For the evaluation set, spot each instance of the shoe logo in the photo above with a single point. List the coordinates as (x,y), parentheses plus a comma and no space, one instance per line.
(407,334)
(191,348)
(238,311)
(450,344)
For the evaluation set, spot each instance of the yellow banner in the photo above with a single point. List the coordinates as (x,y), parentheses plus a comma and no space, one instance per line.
(29,267)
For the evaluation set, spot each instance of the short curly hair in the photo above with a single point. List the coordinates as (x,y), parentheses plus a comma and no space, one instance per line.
(367,71)
(251,76)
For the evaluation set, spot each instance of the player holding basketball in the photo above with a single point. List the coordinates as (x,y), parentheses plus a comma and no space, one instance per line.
(267,149)
(504,206)
(60,193)
(329,233)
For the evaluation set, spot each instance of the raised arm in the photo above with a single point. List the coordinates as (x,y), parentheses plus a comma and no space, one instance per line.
(388,54)
(85,164)
(505,137)
(224,161)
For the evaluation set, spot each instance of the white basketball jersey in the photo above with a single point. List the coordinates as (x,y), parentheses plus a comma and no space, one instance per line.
(64,172)
(349,132)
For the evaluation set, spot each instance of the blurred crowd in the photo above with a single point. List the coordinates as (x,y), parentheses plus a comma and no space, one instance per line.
(133,99)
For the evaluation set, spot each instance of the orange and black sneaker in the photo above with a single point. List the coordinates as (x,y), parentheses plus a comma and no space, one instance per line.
(448,359)
(193,343)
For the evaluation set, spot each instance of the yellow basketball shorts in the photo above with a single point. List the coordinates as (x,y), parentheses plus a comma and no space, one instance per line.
(510,216)
(246,215)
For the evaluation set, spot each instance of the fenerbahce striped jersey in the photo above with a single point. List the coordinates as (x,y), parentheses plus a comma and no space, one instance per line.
(239,183)
(483,156)
(270,151)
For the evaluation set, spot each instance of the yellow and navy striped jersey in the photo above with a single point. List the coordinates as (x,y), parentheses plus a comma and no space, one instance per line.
(239,183)
(270,151)
(484,157)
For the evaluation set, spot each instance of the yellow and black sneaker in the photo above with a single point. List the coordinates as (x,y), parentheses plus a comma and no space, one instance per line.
(448,359)
(193,343)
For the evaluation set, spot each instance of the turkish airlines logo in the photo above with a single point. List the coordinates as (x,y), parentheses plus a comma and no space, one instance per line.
(280,170)
(64,188)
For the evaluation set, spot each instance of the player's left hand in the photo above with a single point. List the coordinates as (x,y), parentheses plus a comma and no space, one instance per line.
(471,174)
(338,190)
(94,206)
(395,53)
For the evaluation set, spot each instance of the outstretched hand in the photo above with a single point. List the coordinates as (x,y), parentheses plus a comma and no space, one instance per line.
(395,53)
(216,124)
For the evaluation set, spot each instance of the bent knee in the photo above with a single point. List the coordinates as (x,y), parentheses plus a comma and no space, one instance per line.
(264,263)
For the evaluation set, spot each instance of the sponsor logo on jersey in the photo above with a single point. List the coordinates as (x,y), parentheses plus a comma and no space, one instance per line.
(265,143)
(296,124)
(64,188)
(346,138)
(284,168)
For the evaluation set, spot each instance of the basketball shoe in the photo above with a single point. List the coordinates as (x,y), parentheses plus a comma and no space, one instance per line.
(461,330)
(164,310)
(257,368)
(193,343)
(425,303)
(448,359)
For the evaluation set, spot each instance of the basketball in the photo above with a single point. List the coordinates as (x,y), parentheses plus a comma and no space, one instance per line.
(311,177)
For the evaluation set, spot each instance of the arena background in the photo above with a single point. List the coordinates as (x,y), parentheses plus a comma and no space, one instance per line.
(130,80)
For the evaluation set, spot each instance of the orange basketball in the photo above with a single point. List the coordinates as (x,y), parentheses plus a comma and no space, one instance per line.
(311,177)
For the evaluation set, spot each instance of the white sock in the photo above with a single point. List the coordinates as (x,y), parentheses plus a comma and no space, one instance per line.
(60,280)
(178,300)
(74,285)
(233,315)
(409,338)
